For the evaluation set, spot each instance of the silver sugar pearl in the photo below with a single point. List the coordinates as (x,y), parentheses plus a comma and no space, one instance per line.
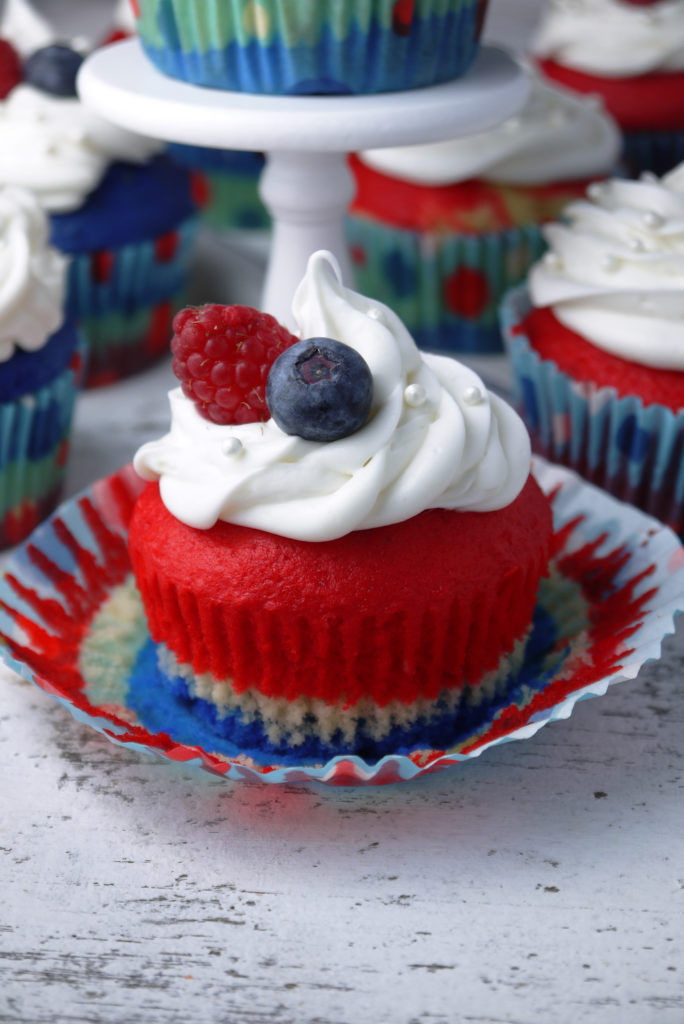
(652,219)
(553,261)
(233,447)
(415,395)
(374,313)
(636,245)
(473,395)
(595,190)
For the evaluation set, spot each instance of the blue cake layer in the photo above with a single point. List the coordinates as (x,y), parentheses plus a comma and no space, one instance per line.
(132,203)
(27,372)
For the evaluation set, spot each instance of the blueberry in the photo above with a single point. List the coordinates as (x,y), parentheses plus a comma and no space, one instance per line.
(319,389)
(53,69)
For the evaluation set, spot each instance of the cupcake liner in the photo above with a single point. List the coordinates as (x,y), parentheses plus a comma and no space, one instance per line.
(125,298)
(232,182)
(34,445)
(446,288)
(628,567)
(634,451)
(658,152)
(332,46)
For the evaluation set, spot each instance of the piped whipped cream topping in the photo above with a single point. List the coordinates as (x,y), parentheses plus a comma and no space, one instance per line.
(611,38)
(32,275)
(59,149)
(435,438)
(614,272)
(558,136)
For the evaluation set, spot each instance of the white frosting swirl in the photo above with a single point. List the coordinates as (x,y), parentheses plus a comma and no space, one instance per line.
(558,136)
(32,275)
(615,269)
(60,149)
(611,38)
(435,439)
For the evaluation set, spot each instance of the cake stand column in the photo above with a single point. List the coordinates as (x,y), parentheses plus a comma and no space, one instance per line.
(307,195)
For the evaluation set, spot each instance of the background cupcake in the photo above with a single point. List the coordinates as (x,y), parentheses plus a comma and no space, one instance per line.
(631,53)
(439,232)
(124,214)
(597,342)
(39,368)
(331,46)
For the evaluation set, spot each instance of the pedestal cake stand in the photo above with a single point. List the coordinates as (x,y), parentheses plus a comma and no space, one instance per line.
(306,184)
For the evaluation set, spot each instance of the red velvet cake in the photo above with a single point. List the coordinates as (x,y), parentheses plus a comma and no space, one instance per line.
(330,592)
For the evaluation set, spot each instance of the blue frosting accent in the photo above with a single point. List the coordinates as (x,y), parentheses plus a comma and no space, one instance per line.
(27,372)
(132,203)
(162,704)
(436,49)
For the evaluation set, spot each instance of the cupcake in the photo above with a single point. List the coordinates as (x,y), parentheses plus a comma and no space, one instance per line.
(440,232)
(39,368)
(597,342)
(331,46)
(123,213)
(358,570)
(631,53)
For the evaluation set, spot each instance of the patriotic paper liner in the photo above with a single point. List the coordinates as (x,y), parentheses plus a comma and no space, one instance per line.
(343,46)
(629,567)
(632,450)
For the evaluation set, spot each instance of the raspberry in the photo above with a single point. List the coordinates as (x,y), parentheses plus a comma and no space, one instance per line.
(10,68)
(222,355)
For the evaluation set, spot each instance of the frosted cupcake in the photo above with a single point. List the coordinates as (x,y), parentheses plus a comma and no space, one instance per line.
(39,368)
(337,576)
(440,232)
(124,214)
(331,46)
(597,342)
(631,53)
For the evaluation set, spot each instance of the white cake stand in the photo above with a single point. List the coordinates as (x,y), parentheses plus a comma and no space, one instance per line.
(306,184)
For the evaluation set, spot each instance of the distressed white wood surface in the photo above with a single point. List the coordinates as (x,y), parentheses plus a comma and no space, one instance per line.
(541,883)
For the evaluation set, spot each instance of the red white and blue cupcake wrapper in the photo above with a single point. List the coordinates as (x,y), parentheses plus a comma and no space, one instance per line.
(445,287)
(338,47)
(634,451)
(628,568)
(35,430)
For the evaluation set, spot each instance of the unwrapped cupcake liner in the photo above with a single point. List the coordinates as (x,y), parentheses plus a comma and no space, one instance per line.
(446,288)
(634,451)
(331,46)
(629,568)
(34,445)
(124,297)
(657,152)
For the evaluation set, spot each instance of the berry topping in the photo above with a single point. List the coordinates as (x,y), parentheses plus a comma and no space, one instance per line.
(53,69)
(10,68)
(320,389)
(222,355)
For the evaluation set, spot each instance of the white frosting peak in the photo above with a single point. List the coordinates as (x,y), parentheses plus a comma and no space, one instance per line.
(59,149)
(435,438)
(32,275)
(558,136)
(614,272)
(612,38)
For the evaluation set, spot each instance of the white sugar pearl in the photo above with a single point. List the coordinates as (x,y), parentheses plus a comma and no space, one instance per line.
(473,395)
(374,313)
(233,447)
(415,395)
(610,264)
(652,219)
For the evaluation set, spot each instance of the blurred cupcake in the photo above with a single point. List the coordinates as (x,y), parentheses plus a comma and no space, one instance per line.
(331,46)
(631,53)
(440,232)
(39,368)
(597,342)
(124,214)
